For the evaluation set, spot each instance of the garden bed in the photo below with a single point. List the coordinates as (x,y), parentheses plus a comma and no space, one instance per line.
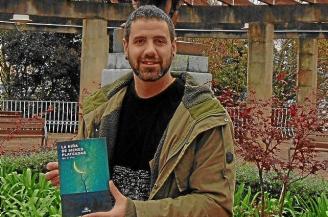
(24,191)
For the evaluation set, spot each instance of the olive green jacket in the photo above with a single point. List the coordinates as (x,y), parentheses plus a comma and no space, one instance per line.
(193,168)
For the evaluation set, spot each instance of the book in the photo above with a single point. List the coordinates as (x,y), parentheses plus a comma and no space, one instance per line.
(84,176)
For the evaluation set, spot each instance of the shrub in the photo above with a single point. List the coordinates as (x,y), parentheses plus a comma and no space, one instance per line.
(28,194)
(18,163)
(314,207)
(260,141)
(247,204)
(311,186)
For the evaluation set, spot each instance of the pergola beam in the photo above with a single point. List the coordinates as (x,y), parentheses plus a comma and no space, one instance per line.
(67,9)
(237,2)
(208,16)
(223,34)
(279,2)
(41,27)
(317,1)
(243,35)
(211,16)
(196,2)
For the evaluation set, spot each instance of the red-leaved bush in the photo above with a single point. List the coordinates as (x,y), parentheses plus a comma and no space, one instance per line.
(262,141)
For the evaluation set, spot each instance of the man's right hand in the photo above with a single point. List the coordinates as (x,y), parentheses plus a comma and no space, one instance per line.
(53,173)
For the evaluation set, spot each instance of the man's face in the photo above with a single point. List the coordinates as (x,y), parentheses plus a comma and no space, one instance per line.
(149,49)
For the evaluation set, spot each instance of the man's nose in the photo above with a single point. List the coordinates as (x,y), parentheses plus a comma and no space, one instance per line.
(150,49)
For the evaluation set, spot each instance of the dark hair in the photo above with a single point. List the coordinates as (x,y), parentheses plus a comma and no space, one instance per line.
(148,12)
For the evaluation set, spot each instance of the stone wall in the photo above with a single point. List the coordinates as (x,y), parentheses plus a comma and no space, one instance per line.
(197,66)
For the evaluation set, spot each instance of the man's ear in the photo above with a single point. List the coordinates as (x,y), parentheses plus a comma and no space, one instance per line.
(125,46)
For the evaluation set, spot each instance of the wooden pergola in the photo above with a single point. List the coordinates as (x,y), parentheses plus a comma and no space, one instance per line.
(305,21)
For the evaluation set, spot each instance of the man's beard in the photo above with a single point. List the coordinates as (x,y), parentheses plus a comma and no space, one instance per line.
(141,76)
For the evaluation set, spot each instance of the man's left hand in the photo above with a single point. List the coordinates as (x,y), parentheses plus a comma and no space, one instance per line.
(119,207)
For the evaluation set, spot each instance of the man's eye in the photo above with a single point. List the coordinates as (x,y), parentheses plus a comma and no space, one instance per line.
(160,41)
(139,41)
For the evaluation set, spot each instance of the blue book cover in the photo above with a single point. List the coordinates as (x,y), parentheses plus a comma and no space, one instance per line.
(84,176)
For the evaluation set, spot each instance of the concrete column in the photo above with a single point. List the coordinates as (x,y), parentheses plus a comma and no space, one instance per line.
(95,48)
(260,60)
(118,35)
(307,70)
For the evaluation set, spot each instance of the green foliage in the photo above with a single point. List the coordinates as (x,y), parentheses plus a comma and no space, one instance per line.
(18,163)
(28,194)
(227,63)
(247,204)
(245,201)
(25,192)
(232,72)
(284,69)
(314,207)
(40,66)
(305,198)
(311,186)
(323,69)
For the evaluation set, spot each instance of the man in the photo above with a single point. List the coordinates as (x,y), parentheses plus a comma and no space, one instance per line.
(170,140)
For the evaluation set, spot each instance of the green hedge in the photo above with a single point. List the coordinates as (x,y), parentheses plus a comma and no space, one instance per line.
(246,173)
(35,161)
(312,186)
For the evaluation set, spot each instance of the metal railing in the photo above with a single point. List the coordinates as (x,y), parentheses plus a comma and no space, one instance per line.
(280,119)
(61,117)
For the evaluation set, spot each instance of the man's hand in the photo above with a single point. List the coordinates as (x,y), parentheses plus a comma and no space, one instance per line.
(53,173)
(120,204)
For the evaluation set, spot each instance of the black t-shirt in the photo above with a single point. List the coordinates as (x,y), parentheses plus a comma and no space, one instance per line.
(142,123)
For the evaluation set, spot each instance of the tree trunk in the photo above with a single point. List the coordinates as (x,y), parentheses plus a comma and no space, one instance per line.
(282,198)
(262,193)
